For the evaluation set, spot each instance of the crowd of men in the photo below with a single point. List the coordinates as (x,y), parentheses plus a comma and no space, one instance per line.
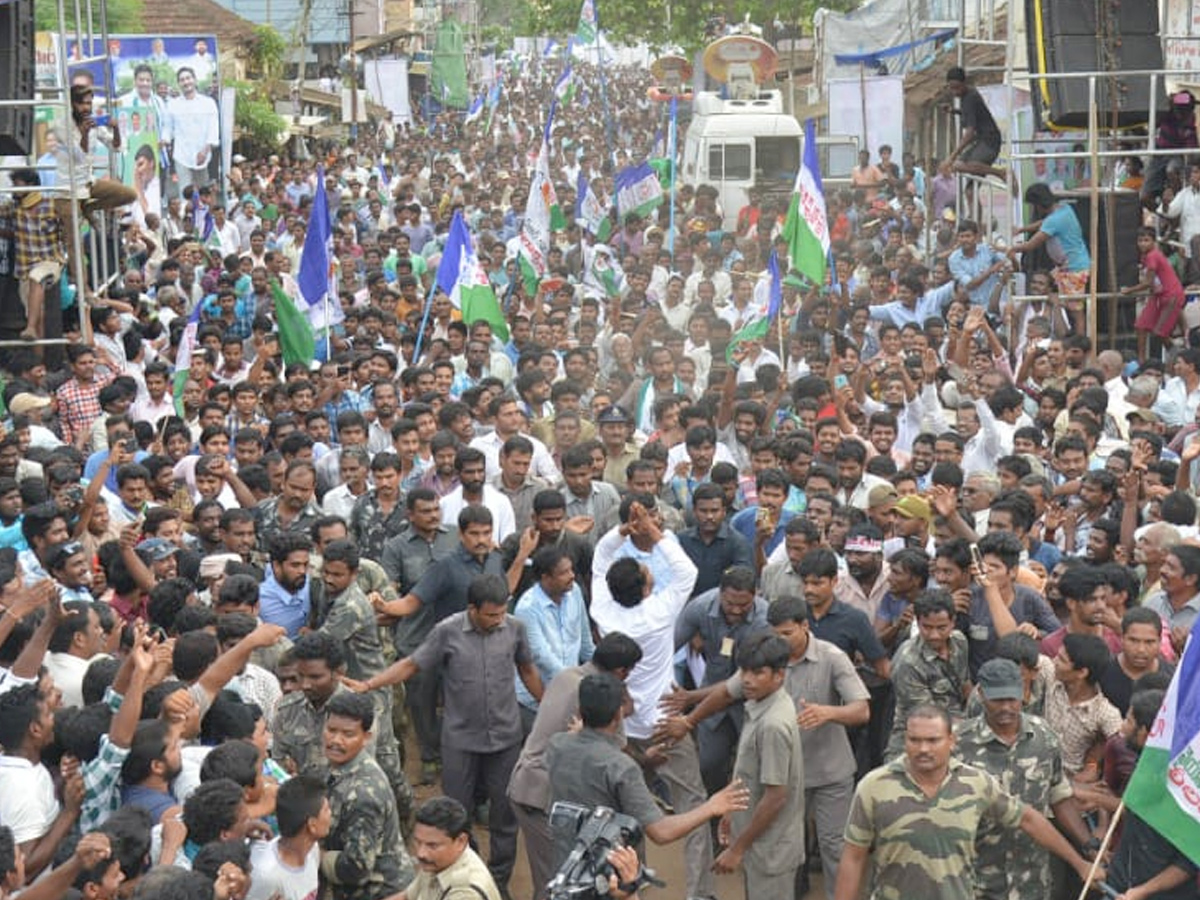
(898,581)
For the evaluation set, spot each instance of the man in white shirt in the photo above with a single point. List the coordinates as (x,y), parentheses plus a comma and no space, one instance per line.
(640,584)
(288,867)
(1185,206)
(225,235)
(79,639)
(508,417)
(473,490)
(193,131)
(28,803)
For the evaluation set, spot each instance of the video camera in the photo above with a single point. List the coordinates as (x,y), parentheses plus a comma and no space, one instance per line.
(593,833)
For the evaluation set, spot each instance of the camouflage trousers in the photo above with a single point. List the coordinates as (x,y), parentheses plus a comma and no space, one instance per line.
(390,757)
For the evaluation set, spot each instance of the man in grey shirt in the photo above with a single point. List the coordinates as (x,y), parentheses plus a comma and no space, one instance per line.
(423,548)
(529,789)
(719,619)
(482,737)
(589,768)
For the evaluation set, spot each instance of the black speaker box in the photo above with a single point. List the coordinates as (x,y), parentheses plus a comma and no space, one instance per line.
(1063,38)
(16,76)
(1091,17)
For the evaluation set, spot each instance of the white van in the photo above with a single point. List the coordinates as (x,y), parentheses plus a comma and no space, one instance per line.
(734,145)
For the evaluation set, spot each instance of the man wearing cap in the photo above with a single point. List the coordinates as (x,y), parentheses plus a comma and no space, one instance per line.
(613,423)
(913,519)
(1023,753)
(1176,131)
(866,578)
(881,507)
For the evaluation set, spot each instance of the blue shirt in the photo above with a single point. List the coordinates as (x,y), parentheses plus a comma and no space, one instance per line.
(966,269)
(92,466)
(559,634)
(745,523)
(279,607)
(1066,245)
(929,306)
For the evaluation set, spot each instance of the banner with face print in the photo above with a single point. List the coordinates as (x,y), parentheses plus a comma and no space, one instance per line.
(164,93)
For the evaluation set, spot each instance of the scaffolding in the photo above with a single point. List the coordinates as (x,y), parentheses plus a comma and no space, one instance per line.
(90,33)
(1105,142)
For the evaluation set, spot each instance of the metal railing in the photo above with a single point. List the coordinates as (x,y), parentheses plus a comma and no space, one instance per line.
(101,263)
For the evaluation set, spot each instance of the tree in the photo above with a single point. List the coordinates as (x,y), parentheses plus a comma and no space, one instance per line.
(124,17)
(257,123)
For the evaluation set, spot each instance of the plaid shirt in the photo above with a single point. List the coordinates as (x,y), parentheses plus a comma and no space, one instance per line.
(79,406)
(102,776)
(39,237)
(349,401)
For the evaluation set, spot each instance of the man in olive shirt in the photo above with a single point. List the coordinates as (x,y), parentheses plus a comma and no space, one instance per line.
(766,840)
(589,769)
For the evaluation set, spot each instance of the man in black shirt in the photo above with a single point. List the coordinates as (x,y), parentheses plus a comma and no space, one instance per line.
(980,142)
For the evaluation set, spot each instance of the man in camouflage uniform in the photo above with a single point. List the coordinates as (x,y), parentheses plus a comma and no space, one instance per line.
(379,513)
(342,611)
(294,510)
(1022,753)
(919,815)
(931,667)
(364,857)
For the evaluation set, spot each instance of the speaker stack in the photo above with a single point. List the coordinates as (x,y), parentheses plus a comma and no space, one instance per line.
(16,76)
(1109,36)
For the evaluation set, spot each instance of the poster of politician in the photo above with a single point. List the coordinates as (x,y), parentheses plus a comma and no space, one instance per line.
(165,100)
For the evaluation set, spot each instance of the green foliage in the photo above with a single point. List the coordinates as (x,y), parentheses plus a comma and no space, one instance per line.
(124,17)
(647,20)
(268,53)
(259,127)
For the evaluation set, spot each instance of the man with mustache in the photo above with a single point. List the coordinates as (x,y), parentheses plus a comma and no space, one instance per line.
(1022,750)
(446,864)
(927,789)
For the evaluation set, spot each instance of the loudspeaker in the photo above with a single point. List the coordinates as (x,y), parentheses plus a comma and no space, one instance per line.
(16,76)
(1092,36)
(1120,217)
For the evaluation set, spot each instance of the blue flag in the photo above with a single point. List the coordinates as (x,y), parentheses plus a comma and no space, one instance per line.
(313,277)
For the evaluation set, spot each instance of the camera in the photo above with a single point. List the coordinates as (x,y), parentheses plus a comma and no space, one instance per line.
(591,834)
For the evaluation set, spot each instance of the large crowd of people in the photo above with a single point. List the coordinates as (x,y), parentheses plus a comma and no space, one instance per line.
(901,582)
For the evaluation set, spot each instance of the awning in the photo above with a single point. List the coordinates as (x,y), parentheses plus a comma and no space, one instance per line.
(876,56)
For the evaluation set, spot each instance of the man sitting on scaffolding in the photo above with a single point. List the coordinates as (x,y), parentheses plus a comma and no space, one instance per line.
(980,142)
(75,164)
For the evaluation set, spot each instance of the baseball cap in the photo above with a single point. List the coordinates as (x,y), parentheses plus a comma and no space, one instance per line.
(881,495)
(25,403)
(157,549)
(914,507)
(1146,415)
(1000,679)
(57,555)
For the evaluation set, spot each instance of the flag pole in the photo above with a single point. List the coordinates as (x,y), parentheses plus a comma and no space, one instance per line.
(424,322)
(608,121)
(1096,860)
(672,151)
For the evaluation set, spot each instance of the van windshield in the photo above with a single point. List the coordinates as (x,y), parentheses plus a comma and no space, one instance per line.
(777,159)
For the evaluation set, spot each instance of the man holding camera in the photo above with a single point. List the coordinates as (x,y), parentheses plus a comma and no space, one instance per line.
(589,769)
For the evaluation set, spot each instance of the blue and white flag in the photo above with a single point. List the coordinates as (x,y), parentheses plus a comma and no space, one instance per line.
(550,48)
(589,208)
(315,278)
(638,191)
(476,109)
(564,87)
(1164,790)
